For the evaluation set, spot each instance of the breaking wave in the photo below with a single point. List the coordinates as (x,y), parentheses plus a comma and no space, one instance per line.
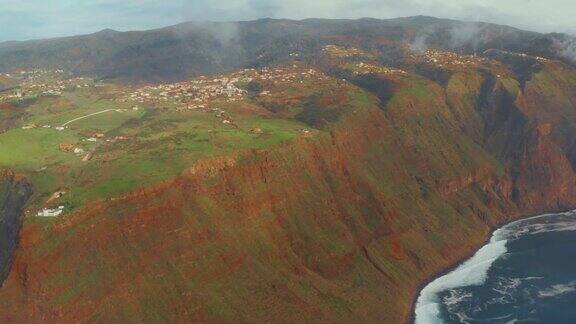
(448,291)
(470,273)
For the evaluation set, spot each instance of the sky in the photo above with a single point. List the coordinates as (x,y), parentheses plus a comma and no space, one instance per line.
(32,19)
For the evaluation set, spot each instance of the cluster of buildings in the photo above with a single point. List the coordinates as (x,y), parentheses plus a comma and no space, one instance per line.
(40,82)
(65,147)
(194,94)
(293,73)
(52,82)
(87,155)
(340,52)
(523,55)
(357,61)
(449,59)
(10,94)
(452,60)
(360,68)
(200,93)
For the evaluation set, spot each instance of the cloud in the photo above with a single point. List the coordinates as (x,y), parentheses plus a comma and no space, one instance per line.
(462,35)
(24,19)
(567,48)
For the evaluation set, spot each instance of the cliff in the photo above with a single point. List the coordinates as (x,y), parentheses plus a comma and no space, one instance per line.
(14,193)
(337,227)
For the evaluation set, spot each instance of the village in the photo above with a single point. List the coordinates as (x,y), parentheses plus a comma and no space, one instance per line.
(362,68)
(448,60)
(40,82)
(76,140)
(199,94)
(203,92)
(357,61)
(341,52)
(521,55)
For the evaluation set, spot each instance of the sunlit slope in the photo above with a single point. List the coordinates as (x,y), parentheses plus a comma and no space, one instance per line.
(368,184)
(91,144)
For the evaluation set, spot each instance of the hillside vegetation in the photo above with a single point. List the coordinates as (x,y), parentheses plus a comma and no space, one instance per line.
(321,190)
(193,49)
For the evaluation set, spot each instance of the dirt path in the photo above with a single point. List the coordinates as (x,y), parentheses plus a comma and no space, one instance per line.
(86,116)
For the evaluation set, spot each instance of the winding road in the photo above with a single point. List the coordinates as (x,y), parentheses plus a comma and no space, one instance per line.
(86,116)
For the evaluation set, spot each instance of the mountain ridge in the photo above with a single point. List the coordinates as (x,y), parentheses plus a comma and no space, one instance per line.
(196,48)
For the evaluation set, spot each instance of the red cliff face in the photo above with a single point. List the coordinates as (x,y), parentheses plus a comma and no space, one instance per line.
(545,173)
(341,226)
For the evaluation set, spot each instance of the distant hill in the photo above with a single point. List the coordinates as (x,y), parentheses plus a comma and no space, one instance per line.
(192,49)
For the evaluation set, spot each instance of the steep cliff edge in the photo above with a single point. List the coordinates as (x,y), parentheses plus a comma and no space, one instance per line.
(14,193)
(340,226)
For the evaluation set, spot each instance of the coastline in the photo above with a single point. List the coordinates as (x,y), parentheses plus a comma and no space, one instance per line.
(453,266)
(467,255)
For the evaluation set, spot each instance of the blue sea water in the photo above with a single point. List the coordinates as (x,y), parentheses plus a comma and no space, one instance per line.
(525,274)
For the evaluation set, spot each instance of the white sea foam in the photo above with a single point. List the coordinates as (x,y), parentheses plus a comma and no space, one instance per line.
(562,222)
(475,271)
(455,297)
(558,290)
(471,273)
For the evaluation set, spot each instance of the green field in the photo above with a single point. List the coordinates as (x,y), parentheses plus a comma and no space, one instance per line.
(154,146)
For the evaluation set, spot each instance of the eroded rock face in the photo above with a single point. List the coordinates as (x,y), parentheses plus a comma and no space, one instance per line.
(14,193)
(335,227)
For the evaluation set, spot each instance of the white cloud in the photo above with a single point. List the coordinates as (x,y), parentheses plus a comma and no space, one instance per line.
(23,19)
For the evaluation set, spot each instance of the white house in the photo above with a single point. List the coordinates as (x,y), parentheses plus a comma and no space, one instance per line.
(51,212)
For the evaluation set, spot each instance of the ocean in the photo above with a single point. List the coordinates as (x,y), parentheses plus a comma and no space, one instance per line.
(526,273)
